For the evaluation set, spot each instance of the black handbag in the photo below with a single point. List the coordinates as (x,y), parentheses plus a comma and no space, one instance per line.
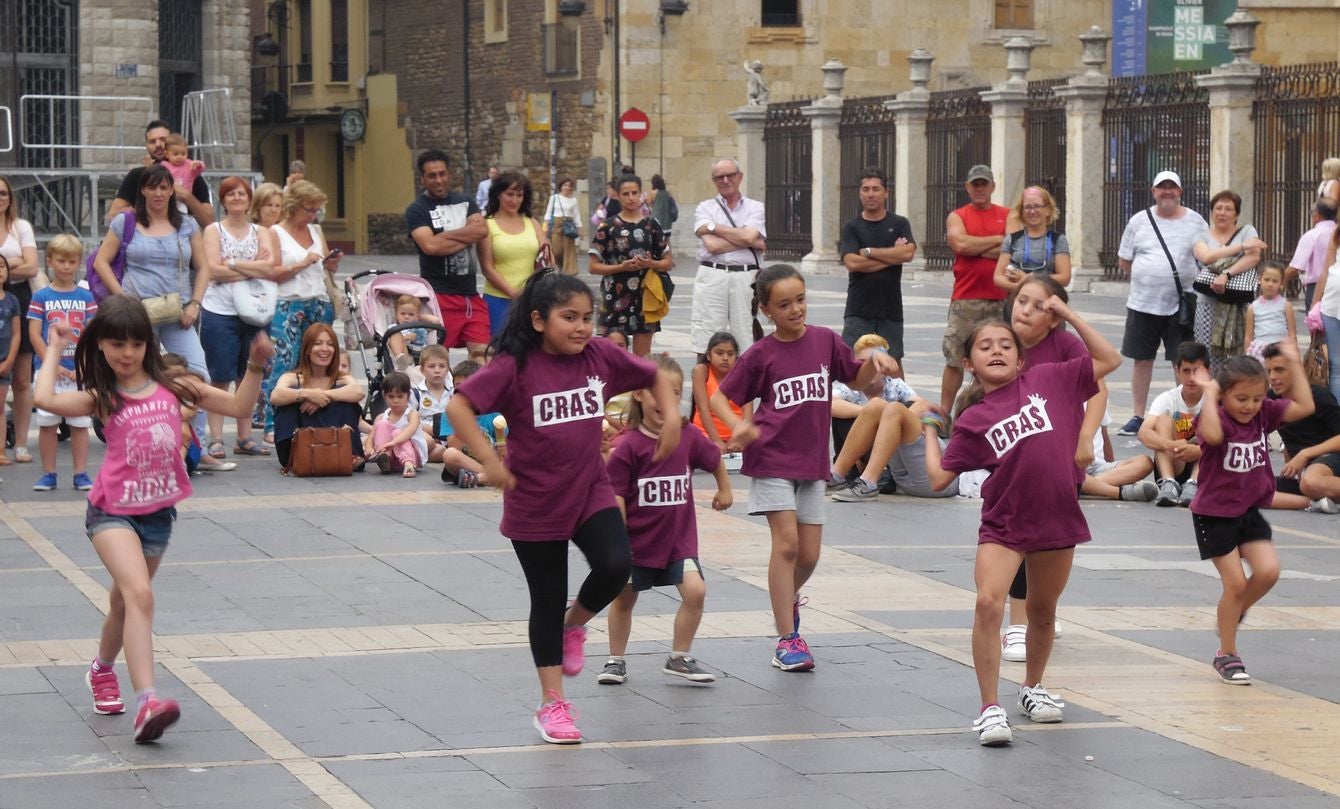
(1241,288)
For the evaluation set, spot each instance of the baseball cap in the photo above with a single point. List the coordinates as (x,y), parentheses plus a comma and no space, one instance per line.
(980,172)
(1165,176)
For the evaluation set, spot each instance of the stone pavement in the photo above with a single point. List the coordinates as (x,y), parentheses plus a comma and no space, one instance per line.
(354,643)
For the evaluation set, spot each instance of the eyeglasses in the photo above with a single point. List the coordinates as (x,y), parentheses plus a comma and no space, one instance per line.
(725,178)
(1035,207)
(312,211)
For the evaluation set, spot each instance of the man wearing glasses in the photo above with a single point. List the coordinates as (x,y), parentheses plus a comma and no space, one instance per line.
(732,235)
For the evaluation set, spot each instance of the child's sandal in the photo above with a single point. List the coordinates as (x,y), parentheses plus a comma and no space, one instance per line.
(409,471)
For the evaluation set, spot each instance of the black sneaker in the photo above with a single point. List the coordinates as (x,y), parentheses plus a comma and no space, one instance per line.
(614,673)
(1132,427)
(687,668)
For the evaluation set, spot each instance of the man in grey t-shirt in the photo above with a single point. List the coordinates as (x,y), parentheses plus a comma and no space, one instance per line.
(1152,304)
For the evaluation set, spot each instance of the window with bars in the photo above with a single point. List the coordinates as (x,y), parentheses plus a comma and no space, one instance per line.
(1014,14)
(560,49)
(304,24)
(781,13)
(180,45)
(339,40)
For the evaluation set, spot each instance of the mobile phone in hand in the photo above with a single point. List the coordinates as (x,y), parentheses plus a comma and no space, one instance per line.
(333,253)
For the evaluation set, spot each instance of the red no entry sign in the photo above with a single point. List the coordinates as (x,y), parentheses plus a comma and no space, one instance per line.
(634,125)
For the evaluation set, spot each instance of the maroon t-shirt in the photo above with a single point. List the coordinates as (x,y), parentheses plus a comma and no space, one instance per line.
(1024,434)
(1059,346)
(793,381)
(658,497)
(1236,474)
(555,408)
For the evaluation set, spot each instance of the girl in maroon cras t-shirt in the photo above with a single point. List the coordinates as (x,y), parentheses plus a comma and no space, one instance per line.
(1236,480)
(1017,423)
(786,440)
(551,381)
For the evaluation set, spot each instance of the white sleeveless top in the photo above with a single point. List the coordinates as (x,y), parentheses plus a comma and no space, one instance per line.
(309,284)
(218,297)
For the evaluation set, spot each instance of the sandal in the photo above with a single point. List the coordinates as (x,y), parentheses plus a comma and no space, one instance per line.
(249,447)
(409,471)
(1231,670)
(21,455)
(467,479)
(216,450)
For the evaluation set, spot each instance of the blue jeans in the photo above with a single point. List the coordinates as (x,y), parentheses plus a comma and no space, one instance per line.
(498,309)
(290,321)
(1332,325)
(186,342)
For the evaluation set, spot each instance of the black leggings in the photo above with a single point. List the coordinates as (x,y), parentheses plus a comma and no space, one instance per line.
(603,540)
(1019,587)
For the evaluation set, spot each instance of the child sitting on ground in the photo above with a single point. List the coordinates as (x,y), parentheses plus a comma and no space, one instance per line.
(397,444)
(183,169)
(407,344)
(62,301)
(1170,429)
(457,465)
(431,396)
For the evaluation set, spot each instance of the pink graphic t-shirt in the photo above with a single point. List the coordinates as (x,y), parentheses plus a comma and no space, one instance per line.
(1024,434)
(793,382)
(555,408)
(143,470)
(658,497)
(1236,474)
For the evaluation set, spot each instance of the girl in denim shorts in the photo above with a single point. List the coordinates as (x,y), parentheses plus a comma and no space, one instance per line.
(132,505)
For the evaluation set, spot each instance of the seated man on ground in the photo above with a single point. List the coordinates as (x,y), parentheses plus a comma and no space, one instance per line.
(886,426)
(1169,429)
(1310,478)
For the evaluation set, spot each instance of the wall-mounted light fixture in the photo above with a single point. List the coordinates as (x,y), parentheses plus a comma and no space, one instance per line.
(571,8)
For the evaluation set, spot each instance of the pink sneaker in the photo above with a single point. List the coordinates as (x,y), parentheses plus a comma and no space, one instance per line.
(106,692)
(554,721)
(574,650)
(155,716)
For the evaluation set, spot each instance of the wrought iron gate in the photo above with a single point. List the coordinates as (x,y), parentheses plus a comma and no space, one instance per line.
(867,138)
(1297,116)
(788,143)
(958,136)
(1151,123)
(180,45)
(1044,143)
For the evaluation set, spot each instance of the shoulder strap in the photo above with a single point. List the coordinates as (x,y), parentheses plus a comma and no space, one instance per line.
(731,219)
(1177,279)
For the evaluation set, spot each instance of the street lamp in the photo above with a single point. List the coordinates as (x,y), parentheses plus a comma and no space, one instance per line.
(571,8)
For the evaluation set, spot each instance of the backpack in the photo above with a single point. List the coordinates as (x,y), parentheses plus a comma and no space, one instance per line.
(674,210)
(95,284)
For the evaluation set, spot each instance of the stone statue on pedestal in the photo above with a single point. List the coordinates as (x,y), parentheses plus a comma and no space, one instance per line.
(757,95)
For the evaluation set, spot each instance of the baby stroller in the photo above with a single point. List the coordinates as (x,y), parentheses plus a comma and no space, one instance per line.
(370,321)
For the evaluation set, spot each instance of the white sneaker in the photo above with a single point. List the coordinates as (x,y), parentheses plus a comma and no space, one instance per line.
(1038,705)
(993,727)
(1013,646)
(1324,505)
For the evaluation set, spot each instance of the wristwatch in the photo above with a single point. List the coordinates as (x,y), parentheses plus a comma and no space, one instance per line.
(711,227)
(232,264)
(865,252)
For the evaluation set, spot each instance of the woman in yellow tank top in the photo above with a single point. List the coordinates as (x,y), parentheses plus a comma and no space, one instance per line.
(507,256)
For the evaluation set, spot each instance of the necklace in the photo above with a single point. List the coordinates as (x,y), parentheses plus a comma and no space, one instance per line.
(132,391)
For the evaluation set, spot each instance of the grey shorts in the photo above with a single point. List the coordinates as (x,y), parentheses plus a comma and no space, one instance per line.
(805,497)
(645,578)
(154,530)
(908,468)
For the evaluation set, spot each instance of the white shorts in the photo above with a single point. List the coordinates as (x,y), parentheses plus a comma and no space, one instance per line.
(805,497)
(45,419)
(1100,466)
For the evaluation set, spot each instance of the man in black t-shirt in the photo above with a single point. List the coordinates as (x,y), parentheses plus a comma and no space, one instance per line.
(874,246)
(128,194)
(1312,444)
(445,225)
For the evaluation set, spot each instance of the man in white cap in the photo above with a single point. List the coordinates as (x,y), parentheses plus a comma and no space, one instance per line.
(1155,253)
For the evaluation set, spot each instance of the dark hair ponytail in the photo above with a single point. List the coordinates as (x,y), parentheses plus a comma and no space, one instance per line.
(541,293)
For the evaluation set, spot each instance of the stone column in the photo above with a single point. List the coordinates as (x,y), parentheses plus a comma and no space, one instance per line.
(1007,102)
(749,153)
(909,190)
(1232,136)
(1084,97)
(825,115)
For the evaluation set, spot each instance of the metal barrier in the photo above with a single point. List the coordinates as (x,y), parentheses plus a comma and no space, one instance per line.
(8,129)
(207,124)
(788,143)
(958,136)
(867,138)
(1044,143)
(85,110)
(1152,123)
(1297,121)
